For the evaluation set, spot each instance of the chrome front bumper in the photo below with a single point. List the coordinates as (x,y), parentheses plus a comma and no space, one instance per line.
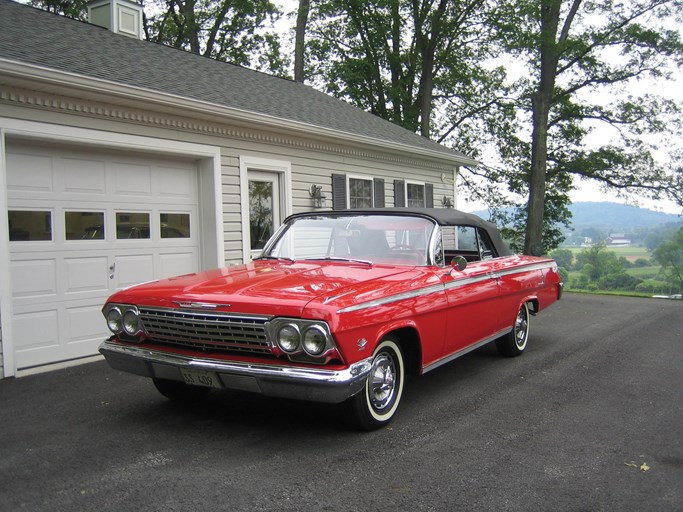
(317,385)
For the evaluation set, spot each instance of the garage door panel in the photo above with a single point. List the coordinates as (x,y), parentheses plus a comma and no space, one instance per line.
(36,174)
(84,176)
(178,263)
(134,269)
(177,184)
(86,275)
(34,278)
(85,325)
(36,329)
(131,179)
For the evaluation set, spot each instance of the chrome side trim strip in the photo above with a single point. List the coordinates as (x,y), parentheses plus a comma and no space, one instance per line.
(457,283)
(468,280)
(394,298)
(519,270)
(465,350)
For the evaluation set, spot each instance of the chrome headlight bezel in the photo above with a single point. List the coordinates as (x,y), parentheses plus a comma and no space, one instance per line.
(123,319)
(326,346)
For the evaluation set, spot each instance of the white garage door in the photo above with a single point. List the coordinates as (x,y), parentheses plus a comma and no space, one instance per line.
(82,225)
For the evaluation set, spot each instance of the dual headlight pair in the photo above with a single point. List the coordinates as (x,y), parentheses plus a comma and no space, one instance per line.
(294,336)
(122,319)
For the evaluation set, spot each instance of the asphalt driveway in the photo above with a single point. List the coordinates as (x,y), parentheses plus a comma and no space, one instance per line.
(589,418)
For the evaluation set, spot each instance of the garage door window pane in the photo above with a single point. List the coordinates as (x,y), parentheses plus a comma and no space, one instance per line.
(175,225)
(84,225)
(29,226)
(132,225)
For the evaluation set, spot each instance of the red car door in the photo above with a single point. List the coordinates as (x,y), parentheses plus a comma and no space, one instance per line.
(473,306)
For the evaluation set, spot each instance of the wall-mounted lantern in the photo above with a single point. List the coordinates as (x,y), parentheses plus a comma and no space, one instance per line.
(316,192)
(447,202)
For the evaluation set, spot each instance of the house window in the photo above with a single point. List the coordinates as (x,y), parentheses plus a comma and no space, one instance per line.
(415,195)
(360,193)
(357,192)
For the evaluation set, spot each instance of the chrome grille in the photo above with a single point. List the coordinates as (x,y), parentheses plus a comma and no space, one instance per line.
(206,330)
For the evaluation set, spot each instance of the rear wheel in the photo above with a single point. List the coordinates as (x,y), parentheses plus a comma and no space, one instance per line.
(514,343)
(375,406)
(179,391)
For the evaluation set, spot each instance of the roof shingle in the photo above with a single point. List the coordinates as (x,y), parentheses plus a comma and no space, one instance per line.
(37,37)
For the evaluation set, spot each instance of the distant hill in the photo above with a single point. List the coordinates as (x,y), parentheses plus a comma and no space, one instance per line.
(612,217)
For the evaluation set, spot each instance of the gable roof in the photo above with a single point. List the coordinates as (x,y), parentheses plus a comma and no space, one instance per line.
(37,41)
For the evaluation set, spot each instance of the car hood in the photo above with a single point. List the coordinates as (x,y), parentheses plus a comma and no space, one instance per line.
(261,287)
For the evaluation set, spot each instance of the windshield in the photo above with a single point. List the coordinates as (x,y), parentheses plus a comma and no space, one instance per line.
(390,239)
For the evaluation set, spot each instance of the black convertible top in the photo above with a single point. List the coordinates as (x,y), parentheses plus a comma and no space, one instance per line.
(442,216)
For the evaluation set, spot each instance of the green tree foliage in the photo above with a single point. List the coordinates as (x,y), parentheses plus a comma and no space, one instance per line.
(563,257)
(669,255)
(578,57)
(230,30)
(603,270)
(422,64)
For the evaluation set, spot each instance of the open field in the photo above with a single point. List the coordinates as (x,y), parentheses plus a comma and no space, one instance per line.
(631,253)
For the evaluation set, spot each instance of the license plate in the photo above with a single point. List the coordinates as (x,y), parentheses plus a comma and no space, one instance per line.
(201,378)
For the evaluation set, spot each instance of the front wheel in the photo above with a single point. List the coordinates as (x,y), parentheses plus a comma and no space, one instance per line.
(376,404)
(178,391)
(514,342)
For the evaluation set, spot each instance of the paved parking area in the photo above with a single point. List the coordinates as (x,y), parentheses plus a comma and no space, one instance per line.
(590,418)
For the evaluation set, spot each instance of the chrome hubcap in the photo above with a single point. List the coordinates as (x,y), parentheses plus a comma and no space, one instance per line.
(382,384)
(521,327)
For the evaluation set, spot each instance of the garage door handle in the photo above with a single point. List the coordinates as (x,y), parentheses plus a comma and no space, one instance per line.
(111,270)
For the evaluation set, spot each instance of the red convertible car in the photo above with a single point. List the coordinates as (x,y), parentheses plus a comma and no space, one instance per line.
(339,308)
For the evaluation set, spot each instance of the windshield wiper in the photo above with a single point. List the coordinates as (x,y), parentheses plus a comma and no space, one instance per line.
(279,258)
(351,260)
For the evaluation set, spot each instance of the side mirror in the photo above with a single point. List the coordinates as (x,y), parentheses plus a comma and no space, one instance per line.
(458,262)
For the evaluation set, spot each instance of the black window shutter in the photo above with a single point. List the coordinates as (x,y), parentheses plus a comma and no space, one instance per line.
(429,195)
(378,183)
(399,193)
(339,191)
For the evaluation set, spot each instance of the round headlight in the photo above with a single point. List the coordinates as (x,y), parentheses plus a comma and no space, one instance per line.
(115,320)
(315,340)
(130,322)
(288,338)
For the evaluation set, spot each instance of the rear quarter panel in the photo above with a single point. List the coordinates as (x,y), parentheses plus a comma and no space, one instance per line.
(522,279)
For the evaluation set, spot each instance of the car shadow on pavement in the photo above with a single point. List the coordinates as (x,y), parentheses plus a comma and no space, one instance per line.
(227,409)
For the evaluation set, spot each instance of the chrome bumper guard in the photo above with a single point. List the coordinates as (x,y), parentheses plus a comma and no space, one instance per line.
(316,385)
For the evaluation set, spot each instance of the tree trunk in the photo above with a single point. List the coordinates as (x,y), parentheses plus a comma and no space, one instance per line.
(541,102)
(427,46)
(300,39)
(533,238)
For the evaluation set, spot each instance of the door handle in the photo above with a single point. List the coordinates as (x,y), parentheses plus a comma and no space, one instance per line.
(112,270)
